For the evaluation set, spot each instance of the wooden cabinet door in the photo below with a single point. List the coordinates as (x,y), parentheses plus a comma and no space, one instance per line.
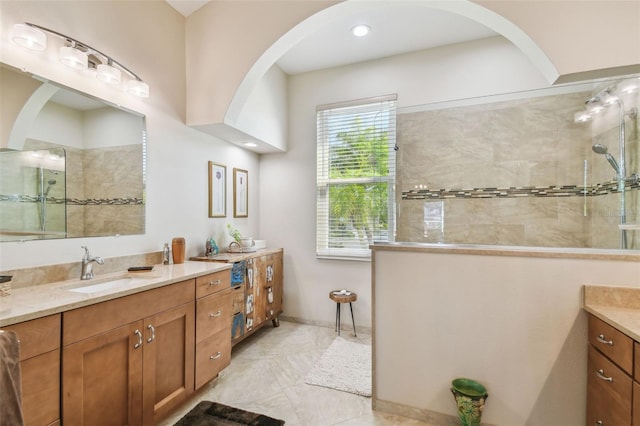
(41,389)
(102,378)
(275,286)
(168,366)
(259,291)
(636,404)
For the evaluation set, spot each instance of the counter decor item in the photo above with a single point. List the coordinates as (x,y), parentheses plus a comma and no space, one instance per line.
(211,248)
(470,397)
(177,248)
(166,254)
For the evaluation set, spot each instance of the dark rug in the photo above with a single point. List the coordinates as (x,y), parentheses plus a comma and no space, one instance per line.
(208,413)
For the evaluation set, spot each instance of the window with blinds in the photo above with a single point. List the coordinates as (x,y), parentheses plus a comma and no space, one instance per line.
(355,176)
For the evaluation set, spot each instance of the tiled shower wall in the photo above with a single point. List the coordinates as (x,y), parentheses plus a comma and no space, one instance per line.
(512,173)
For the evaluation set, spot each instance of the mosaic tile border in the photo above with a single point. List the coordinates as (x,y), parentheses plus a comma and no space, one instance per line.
(74,201)
(610,187)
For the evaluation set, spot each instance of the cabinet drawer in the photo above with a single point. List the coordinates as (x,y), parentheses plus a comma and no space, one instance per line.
(212,356)
(213,283)
(41,388)
(37,336)
(213,313)
(615,345)
(609,391)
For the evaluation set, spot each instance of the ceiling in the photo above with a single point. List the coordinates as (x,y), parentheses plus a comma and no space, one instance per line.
(396,29)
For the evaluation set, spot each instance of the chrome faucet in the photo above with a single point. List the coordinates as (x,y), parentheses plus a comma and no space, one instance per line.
(87,264)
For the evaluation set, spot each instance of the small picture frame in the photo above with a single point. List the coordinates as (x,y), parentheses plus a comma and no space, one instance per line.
(217,190)
(240,193)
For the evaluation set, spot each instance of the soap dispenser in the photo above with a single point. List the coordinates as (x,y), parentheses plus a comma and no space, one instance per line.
(166,254)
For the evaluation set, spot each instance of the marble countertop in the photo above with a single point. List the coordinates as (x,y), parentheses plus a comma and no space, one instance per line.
(37,301)
(520,251)
(237,257)
(617,306)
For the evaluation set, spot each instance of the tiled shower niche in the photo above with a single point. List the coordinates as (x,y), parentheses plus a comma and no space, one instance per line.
(516,172)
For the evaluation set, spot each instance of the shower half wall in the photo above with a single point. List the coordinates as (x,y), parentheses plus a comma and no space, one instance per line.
(515,172)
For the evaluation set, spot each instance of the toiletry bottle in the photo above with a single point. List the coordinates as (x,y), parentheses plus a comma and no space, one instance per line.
(166,254)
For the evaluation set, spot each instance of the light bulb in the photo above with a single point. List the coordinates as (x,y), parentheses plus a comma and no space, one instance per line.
(108,74)
(138,88)
(29,37)
(72,57)
(360,30)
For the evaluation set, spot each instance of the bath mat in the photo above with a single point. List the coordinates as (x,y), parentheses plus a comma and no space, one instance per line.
(208,413)
(345,366)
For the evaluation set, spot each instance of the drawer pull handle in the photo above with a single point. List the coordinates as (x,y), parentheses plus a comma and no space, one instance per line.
(216,282)
(153,333)
(600,374)
(216,356)
(139,334)
(602,339)
(599,423)
(217,314)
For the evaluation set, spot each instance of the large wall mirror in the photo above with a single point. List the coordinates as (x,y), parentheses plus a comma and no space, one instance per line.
(71,165)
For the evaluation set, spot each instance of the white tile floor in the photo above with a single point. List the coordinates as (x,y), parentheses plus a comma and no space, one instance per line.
(267,375)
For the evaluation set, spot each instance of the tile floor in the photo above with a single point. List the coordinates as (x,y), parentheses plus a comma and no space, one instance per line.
(267,375)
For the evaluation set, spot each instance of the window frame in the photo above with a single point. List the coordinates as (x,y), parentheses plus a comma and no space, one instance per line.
(323,182)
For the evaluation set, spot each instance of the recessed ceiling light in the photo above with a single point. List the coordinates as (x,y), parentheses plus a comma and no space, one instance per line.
(251,144)
(360,30)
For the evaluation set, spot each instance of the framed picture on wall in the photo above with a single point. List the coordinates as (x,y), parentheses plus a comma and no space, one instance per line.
(240,193)
(217,190)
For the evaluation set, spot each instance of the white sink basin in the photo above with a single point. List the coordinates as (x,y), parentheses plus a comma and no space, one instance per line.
(95,285)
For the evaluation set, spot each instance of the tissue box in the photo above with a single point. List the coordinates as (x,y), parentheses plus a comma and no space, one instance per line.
(260,244)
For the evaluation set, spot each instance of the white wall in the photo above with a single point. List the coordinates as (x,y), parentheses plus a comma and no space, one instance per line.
(288,180)
(177,189)
(513,323)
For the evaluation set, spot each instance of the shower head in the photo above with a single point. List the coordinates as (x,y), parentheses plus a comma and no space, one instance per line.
(602,150)
(51,182)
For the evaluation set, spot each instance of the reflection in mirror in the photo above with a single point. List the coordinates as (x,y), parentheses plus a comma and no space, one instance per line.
(97,186)
(525,169)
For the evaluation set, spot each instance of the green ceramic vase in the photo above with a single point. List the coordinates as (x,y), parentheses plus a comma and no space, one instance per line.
(470,397)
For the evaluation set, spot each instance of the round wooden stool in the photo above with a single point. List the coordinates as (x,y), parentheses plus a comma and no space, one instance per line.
(343,296)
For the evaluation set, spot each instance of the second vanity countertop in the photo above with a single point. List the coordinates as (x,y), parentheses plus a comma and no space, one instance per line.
(617,306)
(37,301)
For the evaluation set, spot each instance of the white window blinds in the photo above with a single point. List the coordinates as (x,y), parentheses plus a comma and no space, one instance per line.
(355,176)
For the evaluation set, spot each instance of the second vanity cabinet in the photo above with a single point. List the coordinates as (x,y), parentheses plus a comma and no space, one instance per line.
(613,397)
(129,360)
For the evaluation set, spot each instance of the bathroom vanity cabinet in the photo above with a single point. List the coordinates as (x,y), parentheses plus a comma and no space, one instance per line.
(40,369)
(131,359)
(262,281)
(613,392)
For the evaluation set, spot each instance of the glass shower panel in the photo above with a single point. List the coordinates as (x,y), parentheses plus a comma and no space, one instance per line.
(32,194)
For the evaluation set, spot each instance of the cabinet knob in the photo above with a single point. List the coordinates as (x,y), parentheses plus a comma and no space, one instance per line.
(217,314)
(604,340)
(599,423)
(216,356)
(600,374)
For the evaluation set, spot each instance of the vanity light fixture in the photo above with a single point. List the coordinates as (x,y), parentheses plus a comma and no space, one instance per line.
(79,55)
(360,30)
